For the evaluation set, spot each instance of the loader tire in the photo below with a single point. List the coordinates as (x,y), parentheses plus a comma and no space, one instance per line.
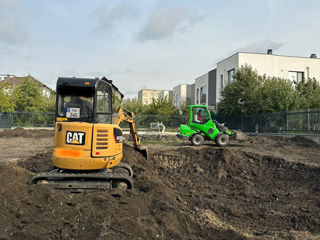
(197,140)
(222,140)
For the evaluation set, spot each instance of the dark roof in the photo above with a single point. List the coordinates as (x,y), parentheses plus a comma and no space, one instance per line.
(14,81)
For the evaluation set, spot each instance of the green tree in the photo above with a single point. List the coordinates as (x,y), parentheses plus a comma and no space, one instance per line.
(242,95)
(162,106)
(184,110)
(308,92)
(6,102)
(28,97)
(278,95)
(134,105)
(50,103)
(116,102)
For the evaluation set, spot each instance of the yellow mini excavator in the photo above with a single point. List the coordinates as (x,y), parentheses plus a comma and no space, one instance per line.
(87,145)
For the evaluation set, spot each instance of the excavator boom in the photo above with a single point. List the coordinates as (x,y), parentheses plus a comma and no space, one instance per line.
(129,117)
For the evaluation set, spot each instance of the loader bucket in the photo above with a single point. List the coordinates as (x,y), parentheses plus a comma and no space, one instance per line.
(240,136)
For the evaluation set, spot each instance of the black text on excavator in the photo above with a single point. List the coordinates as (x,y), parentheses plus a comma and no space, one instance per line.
(87,145)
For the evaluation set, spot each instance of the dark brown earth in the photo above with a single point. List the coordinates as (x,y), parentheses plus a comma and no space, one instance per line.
(21,132)
(268,188)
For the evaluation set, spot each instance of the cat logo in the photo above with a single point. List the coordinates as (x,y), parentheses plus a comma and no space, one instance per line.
(76,138)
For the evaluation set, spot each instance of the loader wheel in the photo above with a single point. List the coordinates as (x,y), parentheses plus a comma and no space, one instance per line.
(222,140)
(197,140)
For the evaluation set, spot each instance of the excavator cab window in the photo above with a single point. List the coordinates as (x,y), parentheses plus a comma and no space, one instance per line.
(75,103)
(103,103)
(79,100)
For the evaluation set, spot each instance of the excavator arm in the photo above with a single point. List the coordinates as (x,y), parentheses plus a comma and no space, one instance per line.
(129,117)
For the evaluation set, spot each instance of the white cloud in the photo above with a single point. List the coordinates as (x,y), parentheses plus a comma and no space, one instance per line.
(12,30)
(163,23)
(108,18)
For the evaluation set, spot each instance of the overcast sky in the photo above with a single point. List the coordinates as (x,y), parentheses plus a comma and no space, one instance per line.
(148,43)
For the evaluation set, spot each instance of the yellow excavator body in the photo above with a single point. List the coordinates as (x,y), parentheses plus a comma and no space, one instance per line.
(88,146)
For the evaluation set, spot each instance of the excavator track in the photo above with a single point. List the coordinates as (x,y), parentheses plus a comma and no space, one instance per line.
(105,179)
(124,166)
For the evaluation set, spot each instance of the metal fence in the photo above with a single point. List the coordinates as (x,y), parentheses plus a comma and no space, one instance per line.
(41,119)
(306,121)
(26,119)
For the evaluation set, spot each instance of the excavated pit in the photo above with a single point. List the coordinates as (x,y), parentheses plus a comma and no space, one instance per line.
(181,192)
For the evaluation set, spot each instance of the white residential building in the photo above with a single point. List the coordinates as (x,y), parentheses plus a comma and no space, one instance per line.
(205,89)
(147,95)
(287,67)
(165,94)
(182,94)
(201,89)
(209,86)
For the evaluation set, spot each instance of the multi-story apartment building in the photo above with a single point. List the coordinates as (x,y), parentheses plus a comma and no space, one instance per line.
(165,94)
(209,86)
(146,95)
(183,94)
(205,88)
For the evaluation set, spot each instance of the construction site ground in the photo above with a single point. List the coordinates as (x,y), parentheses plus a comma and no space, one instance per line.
(266,188)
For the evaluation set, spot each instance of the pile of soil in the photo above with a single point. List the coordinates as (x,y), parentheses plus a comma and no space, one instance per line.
(181,192)
(151,211)
(21,132)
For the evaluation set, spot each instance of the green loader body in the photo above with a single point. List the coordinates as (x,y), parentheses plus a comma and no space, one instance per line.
(201,126)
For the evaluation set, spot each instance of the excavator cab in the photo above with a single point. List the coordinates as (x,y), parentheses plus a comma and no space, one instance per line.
(87,146)
(84,100)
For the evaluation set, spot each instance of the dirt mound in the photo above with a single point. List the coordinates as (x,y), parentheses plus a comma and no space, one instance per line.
(41,162)
(152,211)
(251,194)
(304,141)
(180,193)
(21,132)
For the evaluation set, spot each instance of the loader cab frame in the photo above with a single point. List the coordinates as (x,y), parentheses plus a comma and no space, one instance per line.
(84,100)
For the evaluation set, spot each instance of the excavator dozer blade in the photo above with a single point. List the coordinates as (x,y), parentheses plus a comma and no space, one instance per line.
(240,136)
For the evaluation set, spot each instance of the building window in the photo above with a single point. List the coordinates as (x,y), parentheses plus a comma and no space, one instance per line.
(178,100)
(296,77)
(203,95)
(230,75)
(197,97)
(221,82)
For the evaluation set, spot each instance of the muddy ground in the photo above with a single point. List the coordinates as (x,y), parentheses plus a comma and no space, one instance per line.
(268,188)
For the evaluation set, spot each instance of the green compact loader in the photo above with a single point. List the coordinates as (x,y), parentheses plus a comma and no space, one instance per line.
(203,127)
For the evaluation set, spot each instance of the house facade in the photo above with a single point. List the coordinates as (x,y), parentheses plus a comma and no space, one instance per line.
(165,94)
(183,94)
(13,81)
(205,89)
(209,86)
(147,95)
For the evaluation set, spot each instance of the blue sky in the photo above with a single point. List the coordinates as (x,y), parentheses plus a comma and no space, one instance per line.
(148,43)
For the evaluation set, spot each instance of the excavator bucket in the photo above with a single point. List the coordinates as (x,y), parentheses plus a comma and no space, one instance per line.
(142,150)
(240,136)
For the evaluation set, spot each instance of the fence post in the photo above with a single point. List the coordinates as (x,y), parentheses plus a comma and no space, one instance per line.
(241,122)
(308,119)
(287,122)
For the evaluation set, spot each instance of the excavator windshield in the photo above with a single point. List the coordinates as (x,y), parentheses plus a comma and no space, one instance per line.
(84,100)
